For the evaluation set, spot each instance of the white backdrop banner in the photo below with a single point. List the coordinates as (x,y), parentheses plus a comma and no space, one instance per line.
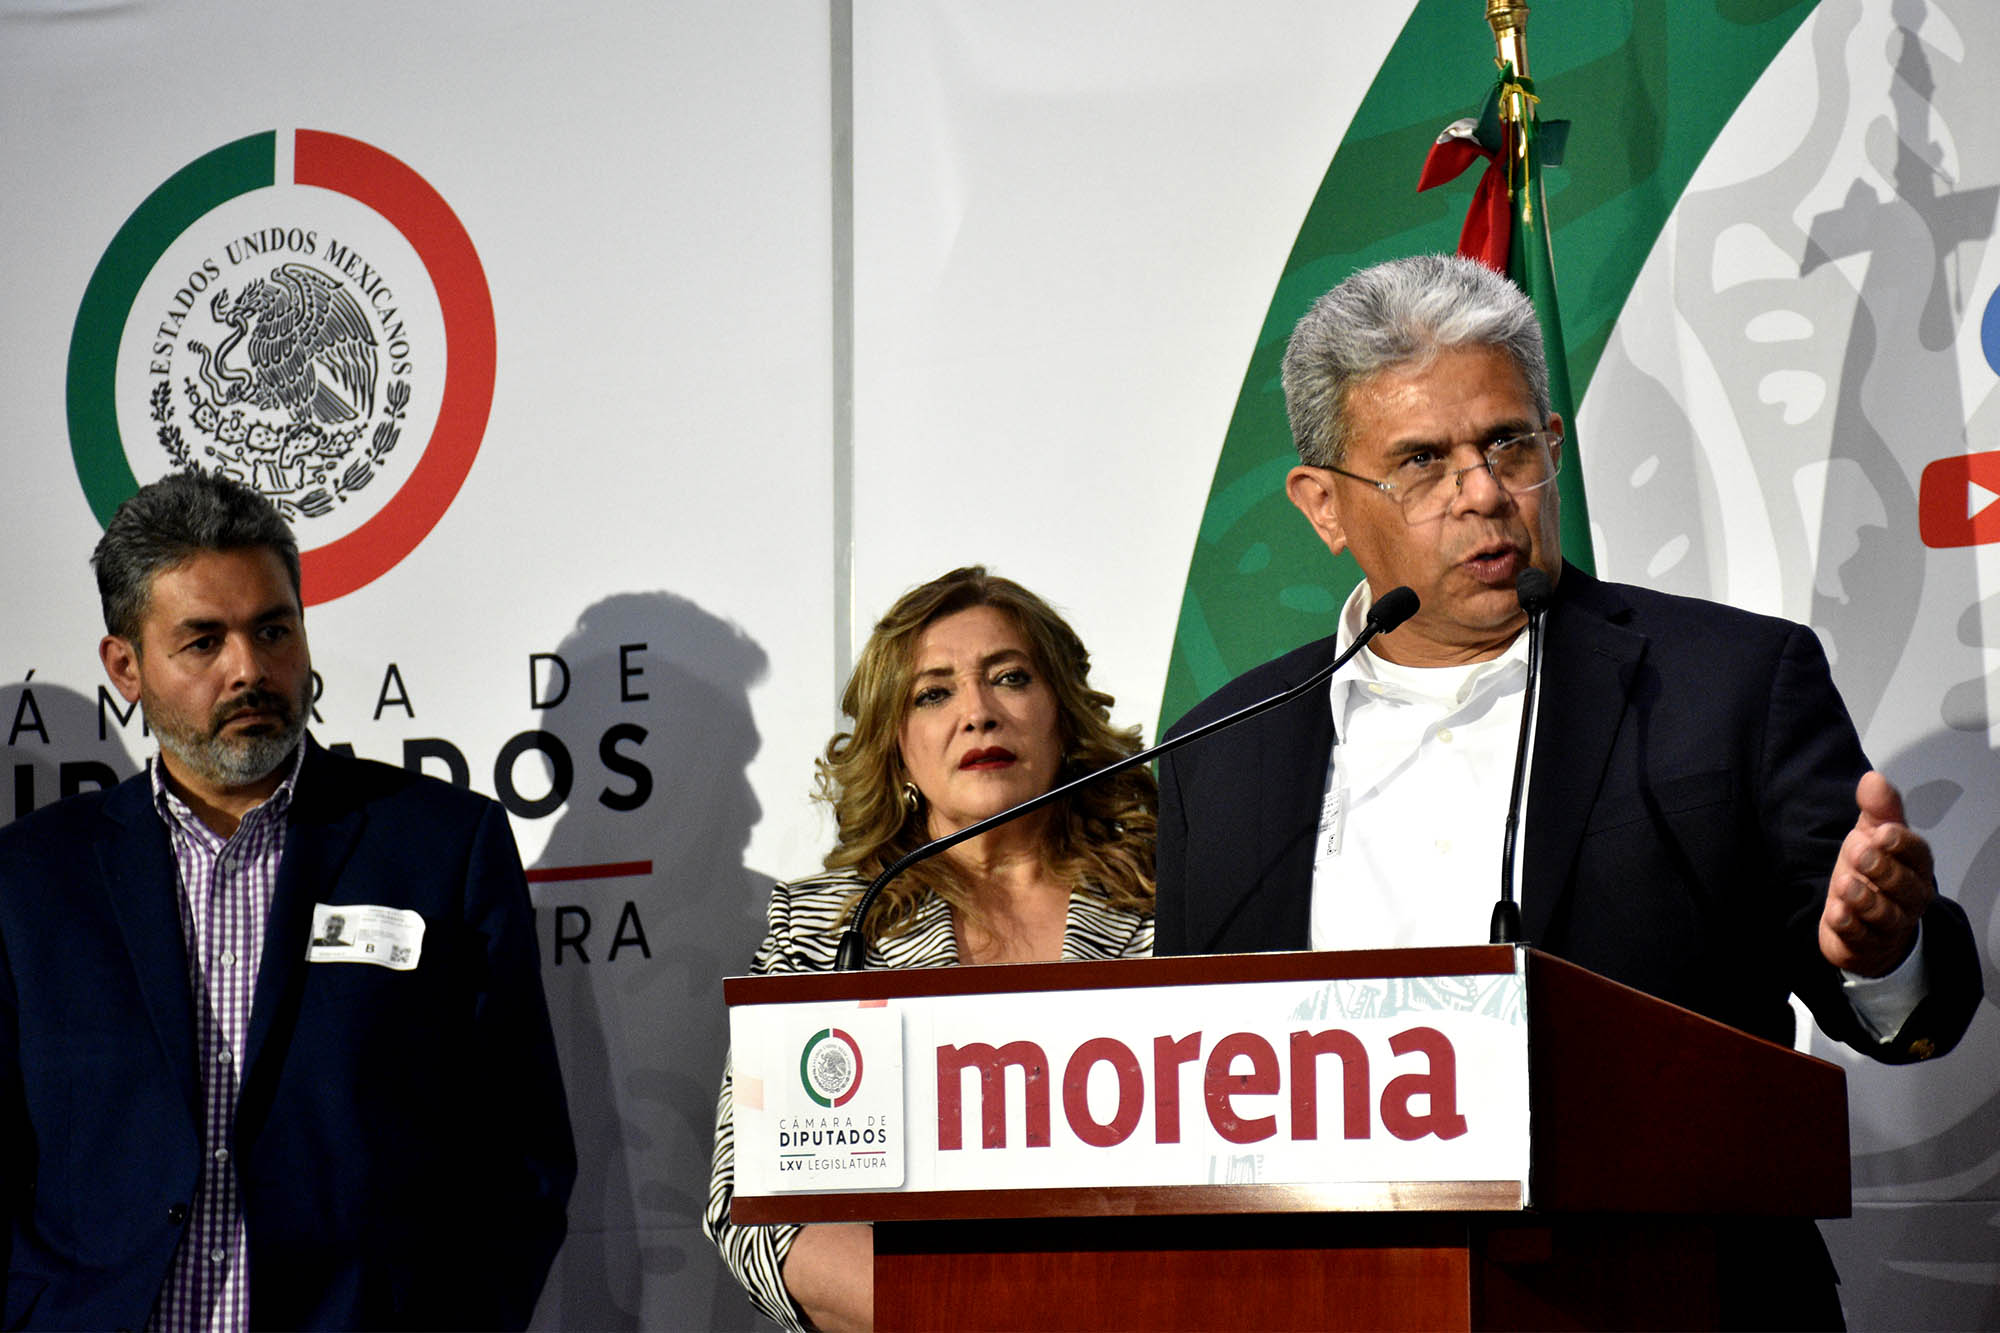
(702,330)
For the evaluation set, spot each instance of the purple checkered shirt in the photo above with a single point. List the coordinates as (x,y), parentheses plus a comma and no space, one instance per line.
(225,896)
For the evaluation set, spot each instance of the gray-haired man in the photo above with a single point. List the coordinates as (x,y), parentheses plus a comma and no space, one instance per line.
(1700,821)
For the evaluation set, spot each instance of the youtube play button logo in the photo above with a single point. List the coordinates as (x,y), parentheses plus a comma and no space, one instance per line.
(1958,501)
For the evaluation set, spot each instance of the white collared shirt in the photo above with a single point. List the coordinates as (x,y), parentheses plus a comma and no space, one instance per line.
(1413,814)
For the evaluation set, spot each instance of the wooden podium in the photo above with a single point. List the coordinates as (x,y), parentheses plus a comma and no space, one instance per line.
(1654,1138)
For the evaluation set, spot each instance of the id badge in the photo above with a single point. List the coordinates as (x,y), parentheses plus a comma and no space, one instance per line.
(391,937)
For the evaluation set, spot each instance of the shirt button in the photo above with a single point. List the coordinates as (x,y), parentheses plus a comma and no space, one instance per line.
(217,1255)
(222,1057)
(1444,734)
(222,1154)
(228,958)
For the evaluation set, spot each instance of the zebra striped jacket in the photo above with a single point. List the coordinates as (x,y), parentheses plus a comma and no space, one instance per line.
(806,919)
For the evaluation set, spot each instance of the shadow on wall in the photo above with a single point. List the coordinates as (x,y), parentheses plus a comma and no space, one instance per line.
(53,747)
(643,904)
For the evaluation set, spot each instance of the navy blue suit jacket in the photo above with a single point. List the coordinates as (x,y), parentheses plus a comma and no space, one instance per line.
(1693,777)
(401,1138)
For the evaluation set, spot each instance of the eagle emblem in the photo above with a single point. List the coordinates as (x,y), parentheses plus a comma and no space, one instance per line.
(312,354)
(287,392)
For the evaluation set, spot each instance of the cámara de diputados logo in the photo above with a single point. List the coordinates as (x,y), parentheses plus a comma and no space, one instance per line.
(830,1067)
(302,312)
(817,1116)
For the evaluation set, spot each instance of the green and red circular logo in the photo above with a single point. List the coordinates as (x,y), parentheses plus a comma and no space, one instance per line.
(830,1067)
(304,313)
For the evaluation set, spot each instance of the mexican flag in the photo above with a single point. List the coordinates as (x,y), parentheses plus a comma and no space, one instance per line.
(1507,229)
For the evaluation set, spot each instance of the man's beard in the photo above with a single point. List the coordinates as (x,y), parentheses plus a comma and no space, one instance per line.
(232,761)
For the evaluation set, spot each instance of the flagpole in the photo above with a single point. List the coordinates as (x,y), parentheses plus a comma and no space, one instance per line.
(1509,22)
(1531,258)
(1510,32)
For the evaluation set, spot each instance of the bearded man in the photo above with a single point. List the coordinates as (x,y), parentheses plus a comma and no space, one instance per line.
(209,1118)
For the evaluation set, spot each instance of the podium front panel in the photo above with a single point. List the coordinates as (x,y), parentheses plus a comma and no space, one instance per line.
(1359,1081)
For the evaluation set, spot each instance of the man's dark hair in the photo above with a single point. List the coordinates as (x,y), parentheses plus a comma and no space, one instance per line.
(169,523)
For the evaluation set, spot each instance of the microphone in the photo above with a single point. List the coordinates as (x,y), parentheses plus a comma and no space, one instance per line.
(1535,591)
(1390,610)
(1396,606)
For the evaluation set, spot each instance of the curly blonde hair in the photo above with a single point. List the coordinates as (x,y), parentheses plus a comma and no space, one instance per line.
(1102,837)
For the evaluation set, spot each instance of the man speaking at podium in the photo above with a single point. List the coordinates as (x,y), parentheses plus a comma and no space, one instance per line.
(1700,822)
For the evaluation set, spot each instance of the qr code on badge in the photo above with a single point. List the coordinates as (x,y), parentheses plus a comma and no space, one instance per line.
(399,953)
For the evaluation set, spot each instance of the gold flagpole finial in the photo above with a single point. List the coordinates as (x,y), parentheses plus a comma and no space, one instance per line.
(1509,21)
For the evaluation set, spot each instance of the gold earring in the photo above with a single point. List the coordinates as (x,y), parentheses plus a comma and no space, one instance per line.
(912,798)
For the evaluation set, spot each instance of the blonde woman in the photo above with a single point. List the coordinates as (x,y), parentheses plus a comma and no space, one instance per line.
(971,696)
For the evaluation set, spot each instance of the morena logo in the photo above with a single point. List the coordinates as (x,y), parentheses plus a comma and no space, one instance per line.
(830,1067)
(1435,1085)
(302,312)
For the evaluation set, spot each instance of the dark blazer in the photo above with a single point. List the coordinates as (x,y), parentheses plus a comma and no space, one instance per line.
(401,1138)
(1693,777)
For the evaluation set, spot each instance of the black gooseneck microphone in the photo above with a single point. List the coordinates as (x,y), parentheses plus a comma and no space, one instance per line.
(1390,610)
(1535,591)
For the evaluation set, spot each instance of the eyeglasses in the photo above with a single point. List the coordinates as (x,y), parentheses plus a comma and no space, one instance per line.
(1519,464)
